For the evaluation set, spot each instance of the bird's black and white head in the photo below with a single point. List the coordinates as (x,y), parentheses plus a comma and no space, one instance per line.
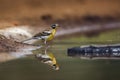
(55,66)
(54,26)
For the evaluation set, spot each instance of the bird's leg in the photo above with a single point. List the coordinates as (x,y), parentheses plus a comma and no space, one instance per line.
(45,42)
(49,44)
(45,50)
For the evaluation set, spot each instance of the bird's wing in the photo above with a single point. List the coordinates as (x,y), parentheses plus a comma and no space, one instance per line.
(44,33)
(35,37)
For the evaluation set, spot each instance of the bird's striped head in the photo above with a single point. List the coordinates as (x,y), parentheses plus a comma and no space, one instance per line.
(54,26)
(55,66)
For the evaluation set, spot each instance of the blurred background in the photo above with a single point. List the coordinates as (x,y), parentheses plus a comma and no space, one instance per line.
(36,10)
(83,22)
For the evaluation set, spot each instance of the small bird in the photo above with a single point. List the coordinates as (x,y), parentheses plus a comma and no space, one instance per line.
(48,58)
(46,35)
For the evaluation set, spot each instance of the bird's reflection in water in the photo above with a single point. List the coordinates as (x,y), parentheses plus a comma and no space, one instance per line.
(43,56)
(47,57)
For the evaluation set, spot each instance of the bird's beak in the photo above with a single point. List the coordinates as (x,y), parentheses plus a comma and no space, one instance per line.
(57,25)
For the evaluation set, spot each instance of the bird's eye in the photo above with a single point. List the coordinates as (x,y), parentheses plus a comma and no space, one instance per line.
(54,26)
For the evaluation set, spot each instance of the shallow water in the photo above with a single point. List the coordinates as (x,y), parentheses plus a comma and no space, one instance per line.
(30,68)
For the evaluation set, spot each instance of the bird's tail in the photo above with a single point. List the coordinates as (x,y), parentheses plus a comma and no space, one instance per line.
(30,41)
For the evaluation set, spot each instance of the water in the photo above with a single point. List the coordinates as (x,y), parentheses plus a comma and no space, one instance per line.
(31,68)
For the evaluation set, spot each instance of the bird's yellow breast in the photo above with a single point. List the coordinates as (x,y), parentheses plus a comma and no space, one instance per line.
(52,35)
(52,58)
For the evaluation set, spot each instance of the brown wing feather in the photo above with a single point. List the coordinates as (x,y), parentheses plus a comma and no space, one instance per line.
(42,34)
